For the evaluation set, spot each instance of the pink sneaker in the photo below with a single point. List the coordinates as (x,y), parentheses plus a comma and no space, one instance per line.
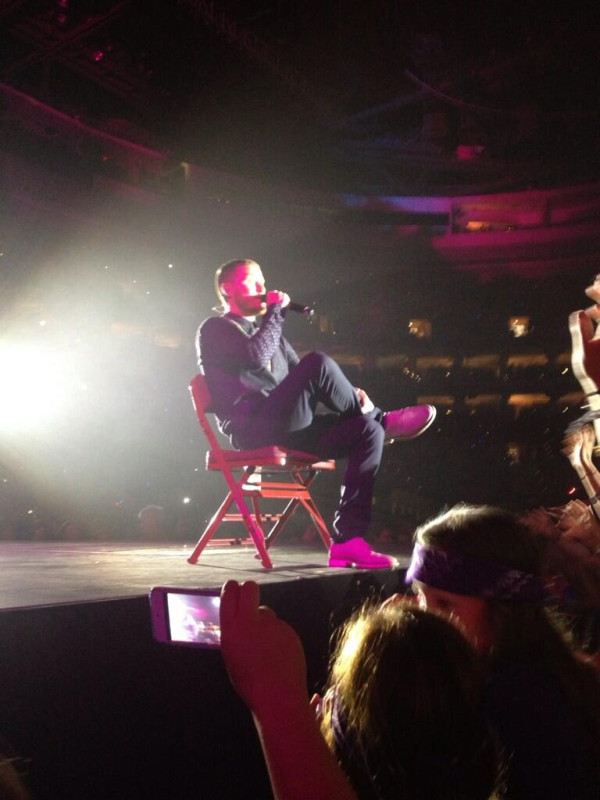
(407,423)
(357,553)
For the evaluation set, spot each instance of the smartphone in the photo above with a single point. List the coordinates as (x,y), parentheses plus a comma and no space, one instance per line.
(186,616)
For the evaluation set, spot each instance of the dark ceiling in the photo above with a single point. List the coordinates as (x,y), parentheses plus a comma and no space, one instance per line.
(412,97)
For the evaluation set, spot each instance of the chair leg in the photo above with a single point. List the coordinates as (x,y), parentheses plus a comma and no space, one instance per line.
(235,495)
(318,520)
(211,528)
(252,526)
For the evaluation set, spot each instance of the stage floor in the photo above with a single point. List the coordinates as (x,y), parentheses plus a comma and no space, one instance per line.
(50,573)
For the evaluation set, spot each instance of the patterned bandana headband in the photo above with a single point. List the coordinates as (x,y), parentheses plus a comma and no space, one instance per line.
(470,576)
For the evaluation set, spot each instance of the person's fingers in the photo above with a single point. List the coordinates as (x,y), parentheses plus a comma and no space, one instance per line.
(248,602)
(266,614)
(229,602)
(274,296)
(266,618)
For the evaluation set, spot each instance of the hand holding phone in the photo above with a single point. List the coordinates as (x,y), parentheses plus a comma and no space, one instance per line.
(263,654)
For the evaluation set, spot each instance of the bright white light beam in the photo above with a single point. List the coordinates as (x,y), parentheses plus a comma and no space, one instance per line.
(35,389)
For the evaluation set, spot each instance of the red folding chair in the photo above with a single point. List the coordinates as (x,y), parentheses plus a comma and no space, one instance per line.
(269,472)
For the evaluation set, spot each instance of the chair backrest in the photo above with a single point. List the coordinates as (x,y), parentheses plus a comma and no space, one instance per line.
(200,392)
(201,400)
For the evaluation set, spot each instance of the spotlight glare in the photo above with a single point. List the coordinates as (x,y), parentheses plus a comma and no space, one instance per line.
(34,389)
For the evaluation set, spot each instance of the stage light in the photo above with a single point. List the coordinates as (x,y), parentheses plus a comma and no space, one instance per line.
(34,389)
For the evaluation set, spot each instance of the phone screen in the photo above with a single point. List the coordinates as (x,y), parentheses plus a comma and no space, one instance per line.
(186,617)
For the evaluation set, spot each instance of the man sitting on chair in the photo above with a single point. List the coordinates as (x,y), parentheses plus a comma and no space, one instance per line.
(263,394)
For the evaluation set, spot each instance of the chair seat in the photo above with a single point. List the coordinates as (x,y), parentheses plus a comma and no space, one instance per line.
(272,456)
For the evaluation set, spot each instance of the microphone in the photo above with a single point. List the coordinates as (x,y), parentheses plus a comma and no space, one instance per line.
(297,307)
(301,309)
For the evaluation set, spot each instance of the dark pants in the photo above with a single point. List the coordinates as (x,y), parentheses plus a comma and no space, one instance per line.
(288,416)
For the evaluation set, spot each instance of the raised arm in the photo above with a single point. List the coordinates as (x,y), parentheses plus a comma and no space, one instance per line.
(222,340)
(266,663)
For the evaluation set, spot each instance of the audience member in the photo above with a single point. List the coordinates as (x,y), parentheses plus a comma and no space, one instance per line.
(571,540)
(404,715)
(72,531)
(571,573)
(267,666)
(585,345)
(578,446)
(570,536)
(151,524)
(482,567)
